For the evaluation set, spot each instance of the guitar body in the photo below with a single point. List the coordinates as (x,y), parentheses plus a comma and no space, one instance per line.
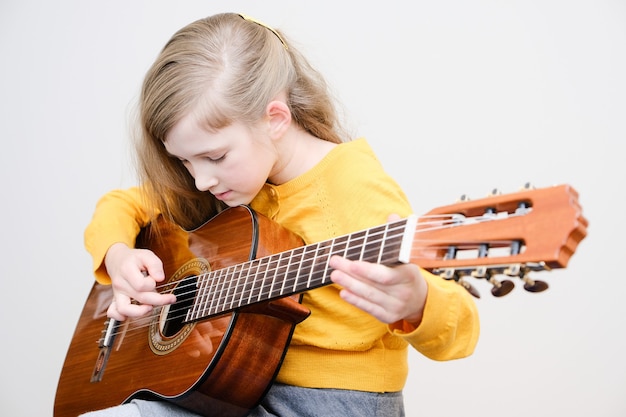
(191,364)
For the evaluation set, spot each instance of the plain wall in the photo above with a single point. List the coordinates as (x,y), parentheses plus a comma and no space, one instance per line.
(456,97)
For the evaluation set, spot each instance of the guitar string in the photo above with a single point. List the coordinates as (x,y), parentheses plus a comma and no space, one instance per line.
(170,314)
(246,267)
(270,260)
(228,293)
(436,222)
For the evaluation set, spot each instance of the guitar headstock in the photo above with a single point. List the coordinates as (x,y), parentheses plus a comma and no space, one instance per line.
(509,234)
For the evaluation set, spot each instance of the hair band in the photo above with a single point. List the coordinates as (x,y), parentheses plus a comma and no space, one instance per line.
(258,22)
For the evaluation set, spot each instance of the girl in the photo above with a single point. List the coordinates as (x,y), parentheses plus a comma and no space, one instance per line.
(232,114)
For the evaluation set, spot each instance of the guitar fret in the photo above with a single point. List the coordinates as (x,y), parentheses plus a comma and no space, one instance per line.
(356,246)
(339,245)
(272,271)
(217,298)
(248,285)
(261,285)
(203,294)
(291,273)
(326,248)
(233,289)
(364,246)
(215,282)
(281,271)
(393,245)
(377,238)
(192,312)
(228,287)
(381,247)
(244,293)
(205,300)
(306,267)
(241,284)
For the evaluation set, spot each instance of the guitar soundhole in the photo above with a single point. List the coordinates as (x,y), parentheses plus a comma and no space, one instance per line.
(173,320)
(168,329)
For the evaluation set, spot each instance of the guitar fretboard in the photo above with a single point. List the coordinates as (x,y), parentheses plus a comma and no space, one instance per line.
(295,271)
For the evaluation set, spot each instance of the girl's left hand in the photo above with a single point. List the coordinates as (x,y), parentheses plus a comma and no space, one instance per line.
(389,294)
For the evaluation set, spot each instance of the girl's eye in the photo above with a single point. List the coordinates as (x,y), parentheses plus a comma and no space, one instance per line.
(218,159)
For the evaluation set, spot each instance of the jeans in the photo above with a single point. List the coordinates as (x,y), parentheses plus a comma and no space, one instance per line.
(283,401)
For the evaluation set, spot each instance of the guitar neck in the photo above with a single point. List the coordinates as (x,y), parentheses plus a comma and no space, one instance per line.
(500,233)
(298,270)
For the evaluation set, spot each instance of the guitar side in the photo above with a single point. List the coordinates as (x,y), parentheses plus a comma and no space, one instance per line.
(222,366)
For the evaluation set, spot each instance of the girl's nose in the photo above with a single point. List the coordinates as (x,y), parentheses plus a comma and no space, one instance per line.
(204,180)
(205,184)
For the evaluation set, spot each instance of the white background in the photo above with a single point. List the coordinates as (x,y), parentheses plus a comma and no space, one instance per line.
(456,97)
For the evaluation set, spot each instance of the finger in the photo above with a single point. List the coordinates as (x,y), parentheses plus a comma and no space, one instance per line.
(354,268)
(152,265)
(134,310)
(366,303)
(137,280)
(141,289)
(357,288)
(123,307)
(371,273)
(386,293)
(155,298)
(113,313)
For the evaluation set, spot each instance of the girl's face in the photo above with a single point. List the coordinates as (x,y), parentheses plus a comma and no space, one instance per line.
(232,163)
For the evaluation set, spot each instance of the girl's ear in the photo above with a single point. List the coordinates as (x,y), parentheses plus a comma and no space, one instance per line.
(279,117)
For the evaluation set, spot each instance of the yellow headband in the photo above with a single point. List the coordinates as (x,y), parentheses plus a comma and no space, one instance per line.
(258,22)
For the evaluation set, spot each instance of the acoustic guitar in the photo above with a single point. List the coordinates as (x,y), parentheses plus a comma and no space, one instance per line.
(238,279)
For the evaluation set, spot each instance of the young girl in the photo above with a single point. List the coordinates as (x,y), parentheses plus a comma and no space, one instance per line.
(232,114)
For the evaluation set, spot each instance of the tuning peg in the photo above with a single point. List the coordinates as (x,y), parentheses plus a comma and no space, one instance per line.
(501,288)
(531,285)
(494,192)
(515,270)
(464,197)
(451,274)
(469,287)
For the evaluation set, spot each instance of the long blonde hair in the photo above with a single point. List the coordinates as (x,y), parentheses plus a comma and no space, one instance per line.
(229,67)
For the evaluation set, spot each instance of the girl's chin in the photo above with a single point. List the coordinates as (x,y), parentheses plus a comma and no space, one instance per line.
(234,202)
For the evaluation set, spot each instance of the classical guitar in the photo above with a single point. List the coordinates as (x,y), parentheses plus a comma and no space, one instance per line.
(237,279)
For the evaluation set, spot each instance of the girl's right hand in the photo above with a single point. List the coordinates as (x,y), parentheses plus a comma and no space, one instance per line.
(134,276)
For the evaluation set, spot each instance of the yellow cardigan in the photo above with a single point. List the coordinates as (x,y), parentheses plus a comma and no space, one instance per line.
(338,345)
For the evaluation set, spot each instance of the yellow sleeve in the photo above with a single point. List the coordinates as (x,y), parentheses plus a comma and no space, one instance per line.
(450,324)
(118,217)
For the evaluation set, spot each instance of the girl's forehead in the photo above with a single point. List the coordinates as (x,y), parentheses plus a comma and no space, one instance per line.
(210,111)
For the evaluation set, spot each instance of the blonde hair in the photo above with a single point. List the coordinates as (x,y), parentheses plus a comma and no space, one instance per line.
(230,68)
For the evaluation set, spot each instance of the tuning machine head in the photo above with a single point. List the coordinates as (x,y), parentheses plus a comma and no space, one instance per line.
(531,285)
(499,288)
(450,274)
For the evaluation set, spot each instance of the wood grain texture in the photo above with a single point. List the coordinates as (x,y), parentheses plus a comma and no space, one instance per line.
(224,366)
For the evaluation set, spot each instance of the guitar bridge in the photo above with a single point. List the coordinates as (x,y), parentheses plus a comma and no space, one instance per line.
(105,343)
